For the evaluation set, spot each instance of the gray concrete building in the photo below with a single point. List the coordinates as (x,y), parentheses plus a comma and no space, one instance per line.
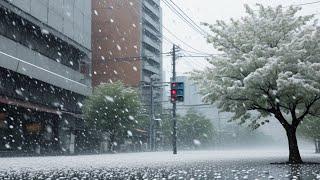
(45,66)
(193,99)
(151,39)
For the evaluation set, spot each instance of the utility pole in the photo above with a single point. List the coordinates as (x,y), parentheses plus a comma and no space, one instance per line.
(219,128)
(174,105)
(151,123)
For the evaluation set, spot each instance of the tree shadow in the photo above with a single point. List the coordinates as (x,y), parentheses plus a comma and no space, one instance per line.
(293,164)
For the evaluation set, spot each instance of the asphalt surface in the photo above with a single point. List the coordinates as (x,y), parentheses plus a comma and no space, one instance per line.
(249,164)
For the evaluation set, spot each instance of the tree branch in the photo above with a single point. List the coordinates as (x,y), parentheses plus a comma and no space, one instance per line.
(278,114)
(258,107)
(306,112)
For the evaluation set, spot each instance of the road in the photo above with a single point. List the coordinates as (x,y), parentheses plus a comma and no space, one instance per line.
(244,164)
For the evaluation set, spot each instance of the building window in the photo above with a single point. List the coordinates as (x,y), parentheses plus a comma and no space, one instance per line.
(33,37)
(3,123)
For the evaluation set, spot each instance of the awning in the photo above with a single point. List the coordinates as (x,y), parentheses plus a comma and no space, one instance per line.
(29,105)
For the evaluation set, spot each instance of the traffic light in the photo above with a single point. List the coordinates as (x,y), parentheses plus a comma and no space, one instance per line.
(177,92)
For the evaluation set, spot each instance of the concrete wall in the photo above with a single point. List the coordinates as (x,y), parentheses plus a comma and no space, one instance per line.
(192,99)
(70,17)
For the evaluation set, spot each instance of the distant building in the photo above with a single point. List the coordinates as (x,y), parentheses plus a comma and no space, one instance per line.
(193,99)
(191,91)
(126,43)
(45,62)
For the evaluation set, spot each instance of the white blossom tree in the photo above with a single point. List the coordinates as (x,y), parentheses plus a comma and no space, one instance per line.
(269,66)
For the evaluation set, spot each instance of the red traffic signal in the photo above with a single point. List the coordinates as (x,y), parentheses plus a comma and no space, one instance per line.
(173,92)
(177,91)
(173,95)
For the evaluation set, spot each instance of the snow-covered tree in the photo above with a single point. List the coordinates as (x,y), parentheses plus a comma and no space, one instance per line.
(112,109)
(195,130)
(309,129)
(269,66)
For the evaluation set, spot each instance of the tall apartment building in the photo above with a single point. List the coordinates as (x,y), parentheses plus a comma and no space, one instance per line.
(45,62)
(126,42)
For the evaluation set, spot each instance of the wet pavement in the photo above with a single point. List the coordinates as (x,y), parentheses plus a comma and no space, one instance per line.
(163,165)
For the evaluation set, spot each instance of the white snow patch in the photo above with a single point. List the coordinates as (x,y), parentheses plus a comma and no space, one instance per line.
(44,31)
(196,142)
(109,98)
(80,104)
(131,117)
(129,133)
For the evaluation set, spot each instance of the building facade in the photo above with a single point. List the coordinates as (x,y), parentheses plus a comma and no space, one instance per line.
(193,99)
(126,42)
(45,66)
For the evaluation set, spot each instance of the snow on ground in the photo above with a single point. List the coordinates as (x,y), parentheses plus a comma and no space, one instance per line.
(145,159)
(250,164)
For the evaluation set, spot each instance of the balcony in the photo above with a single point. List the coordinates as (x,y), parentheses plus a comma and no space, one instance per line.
(156,24)
(151,42)
(157,2)
(146,78)
(151,68)
(155,33)
(151,55)
(152,8)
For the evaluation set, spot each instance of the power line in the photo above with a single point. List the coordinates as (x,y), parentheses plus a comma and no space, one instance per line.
(199,53)
(135,57)
(168,39)
(192,21)
(204,54)
(192,63)
(183,41)
(196,105)
(201,107)
(159,35)
(197,56)
(174,10)
(196,65)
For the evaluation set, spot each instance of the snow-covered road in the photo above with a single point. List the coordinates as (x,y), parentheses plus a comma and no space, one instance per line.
(186,165)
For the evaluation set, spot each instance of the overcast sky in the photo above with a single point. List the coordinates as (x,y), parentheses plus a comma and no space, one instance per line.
(209,11)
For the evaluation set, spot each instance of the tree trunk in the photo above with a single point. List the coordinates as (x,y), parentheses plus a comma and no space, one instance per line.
(110,143)
(317,144)
(294,154)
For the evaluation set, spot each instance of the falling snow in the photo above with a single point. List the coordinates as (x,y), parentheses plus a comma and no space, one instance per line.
(118,47)
(110,99)
(134,68)
(44,31)
(96,12)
